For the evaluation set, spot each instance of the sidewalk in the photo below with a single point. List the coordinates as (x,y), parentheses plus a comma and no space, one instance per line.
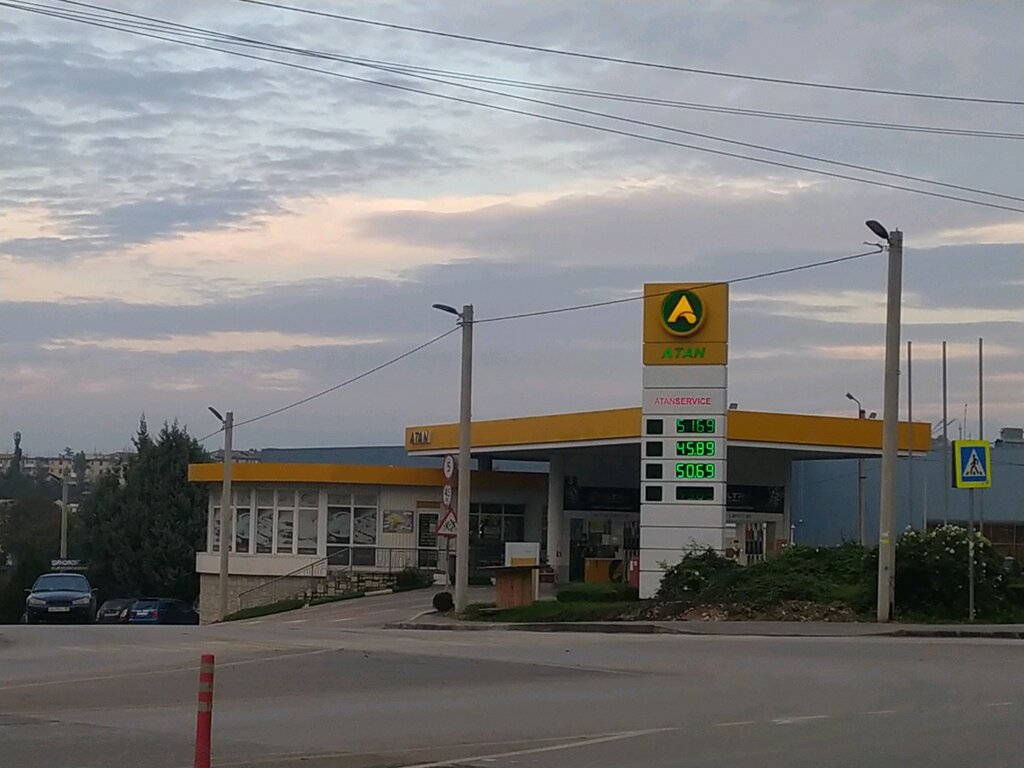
(434,621)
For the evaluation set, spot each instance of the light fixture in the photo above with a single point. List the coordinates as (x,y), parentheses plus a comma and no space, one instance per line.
(446,308)
(878,229)
(873,415)
(216,413)
(733,406)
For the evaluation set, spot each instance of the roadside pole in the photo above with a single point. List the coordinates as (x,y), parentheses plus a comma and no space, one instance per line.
(970,556)
(204,712)
(465,421)
(226,522)
(64,515)
(981,426)
(945,440)
(890,430)
(910,420)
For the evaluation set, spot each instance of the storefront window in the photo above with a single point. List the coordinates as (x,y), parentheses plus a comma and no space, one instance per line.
(265,530)
(215,543)
(490,526)
(307,537)
(285,529)
(339,528)
(242,518)
(364,532)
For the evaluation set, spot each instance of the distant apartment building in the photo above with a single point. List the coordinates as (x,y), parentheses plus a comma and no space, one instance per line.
(95,464)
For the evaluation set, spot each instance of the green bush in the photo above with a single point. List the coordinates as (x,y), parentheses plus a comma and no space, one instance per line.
(842,574)
(685,580)
(413,578)
(932,577)
(610,592)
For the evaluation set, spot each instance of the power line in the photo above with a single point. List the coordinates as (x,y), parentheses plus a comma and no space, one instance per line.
(549,118)
(635,62)
(566,90)
(734,281)
(338,386)
(233,39)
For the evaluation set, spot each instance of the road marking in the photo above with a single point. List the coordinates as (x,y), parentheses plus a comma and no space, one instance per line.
(880,712)
(735,723)
(335,621)
(538,750)
(1000,704)
(799,719)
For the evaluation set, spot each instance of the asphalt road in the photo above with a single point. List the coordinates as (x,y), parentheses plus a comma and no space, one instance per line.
(327,687)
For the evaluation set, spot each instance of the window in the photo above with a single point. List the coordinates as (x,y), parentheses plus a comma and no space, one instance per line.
(351,528)
(490,526)
(265,530)
(307,531)
(285,528)
(285,521)
(307,528)
(242,519)
(215,537)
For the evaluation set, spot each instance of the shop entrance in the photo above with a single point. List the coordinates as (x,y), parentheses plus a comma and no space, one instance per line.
(605,539)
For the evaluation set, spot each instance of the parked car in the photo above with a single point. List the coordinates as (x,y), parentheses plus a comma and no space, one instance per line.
(162,610)
(65,597)
(115,611)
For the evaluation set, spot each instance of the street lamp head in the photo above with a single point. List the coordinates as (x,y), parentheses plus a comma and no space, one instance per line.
(878,229)
(216,413)
(849,396)
(446,308)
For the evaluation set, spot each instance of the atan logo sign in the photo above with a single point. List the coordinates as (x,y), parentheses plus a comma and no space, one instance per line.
(682,312)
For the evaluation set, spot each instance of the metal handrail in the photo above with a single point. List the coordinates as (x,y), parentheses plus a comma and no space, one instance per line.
(283,587)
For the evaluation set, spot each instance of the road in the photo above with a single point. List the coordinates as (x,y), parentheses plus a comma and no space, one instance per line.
(327,686)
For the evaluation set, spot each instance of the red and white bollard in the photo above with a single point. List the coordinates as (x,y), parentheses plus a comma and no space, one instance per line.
(204,711)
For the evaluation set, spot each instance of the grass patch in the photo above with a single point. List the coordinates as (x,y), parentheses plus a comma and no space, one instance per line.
(336,598)
(550,610)
(266,610)
(290,604)
(609,592)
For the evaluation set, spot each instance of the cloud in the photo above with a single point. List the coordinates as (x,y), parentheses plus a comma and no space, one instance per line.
(213,342)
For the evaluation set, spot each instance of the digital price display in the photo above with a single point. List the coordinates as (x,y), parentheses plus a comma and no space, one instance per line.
(695,470)
(694,426)
(695,493)
(695,447)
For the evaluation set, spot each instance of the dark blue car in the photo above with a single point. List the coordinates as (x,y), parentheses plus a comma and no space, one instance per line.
(64,597)
(162,610)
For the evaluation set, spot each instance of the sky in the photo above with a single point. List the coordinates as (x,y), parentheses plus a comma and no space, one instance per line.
(182,228)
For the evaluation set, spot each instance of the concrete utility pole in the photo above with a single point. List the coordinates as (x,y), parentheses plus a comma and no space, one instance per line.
(465,438)
(910,420)
(890,428)
(64,514)
(226,510)
(945,441)
(465,442)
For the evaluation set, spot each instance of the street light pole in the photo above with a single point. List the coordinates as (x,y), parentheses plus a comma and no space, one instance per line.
(890,423)
(862,514)
(465,443)
(226,510)
(64,515)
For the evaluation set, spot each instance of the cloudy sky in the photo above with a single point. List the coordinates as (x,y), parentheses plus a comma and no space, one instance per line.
(181,227)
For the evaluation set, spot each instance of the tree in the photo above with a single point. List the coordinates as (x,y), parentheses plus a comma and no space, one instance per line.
(143,532)
(81,466)
(30,536)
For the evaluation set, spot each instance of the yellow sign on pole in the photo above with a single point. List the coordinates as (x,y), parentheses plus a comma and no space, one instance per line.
(686,323)
(972,464)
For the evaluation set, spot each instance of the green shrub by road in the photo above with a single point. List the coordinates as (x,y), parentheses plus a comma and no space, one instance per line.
(609,592)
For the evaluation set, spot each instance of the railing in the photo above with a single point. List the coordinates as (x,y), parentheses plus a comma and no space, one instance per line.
(352,558)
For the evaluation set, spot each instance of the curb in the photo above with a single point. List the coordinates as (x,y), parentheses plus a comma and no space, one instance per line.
(643,628)
(376,592)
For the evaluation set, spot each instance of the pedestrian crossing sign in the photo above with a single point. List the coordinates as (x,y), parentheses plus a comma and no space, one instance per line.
(972,464)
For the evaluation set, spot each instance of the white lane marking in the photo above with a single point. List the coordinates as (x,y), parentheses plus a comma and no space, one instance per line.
(537,750)
(799,719)
(880,712)
(735,723)
(335,621)
(1000,704)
